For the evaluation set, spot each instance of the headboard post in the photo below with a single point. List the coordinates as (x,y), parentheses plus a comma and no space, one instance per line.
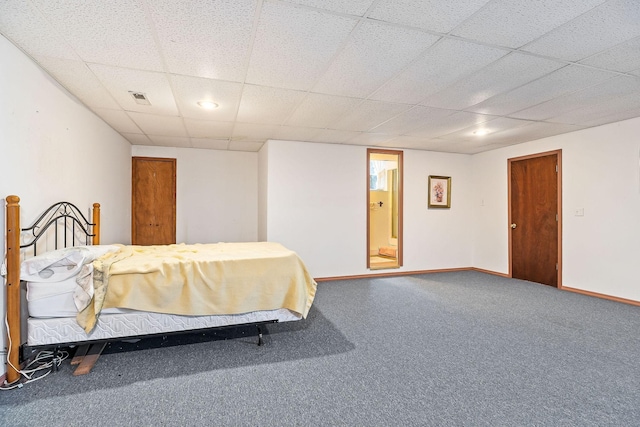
(13,285)
(96,224)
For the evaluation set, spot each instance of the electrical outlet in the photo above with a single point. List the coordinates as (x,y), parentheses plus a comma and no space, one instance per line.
(579,212)
(3,269)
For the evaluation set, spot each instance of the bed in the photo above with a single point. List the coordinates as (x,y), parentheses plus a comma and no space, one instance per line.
(82,293)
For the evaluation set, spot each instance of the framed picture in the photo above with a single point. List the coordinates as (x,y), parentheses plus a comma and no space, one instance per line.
(439,191)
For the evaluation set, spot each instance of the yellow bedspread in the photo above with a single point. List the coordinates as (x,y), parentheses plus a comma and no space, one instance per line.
(201,279)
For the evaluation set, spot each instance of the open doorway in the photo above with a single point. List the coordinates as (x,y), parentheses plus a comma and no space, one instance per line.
(384,209)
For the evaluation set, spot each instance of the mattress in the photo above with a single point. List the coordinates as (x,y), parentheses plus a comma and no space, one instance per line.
(65,330)
(55,299)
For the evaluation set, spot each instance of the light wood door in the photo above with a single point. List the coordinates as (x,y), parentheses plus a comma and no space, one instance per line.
(534,218)
(153,201)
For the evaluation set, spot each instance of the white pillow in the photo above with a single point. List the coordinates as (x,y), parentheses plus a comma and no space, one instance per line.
(61,264)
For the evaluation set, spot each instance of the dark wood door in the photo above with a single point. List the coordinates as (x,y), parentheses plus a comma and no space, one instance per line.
(153,201)
(534,219)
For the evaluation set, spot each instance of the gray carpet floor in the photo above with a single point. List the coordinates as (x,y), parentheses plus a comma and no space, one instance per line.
(446,349)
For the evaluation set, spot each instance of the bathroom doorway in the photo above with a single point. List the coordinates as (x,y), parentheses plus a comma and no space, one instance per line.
(384,209)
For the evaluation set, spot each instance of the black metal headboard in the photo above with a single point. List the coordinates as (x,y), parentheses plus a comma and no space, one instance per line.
(62,216)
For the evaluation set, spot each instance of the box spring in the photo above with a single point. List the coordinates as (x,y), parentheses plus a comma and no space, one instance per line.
(64,330)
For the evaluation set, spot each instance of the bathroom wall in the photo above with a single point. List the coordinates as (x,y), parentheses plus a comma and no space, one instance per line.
(379,219)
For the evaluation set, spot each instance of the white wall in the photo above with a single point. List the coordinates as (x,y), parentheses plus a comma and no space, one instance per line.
(263,180)
(317,207)
(601,174)
(316,204)
(437,238)
(217,193)
(52,148)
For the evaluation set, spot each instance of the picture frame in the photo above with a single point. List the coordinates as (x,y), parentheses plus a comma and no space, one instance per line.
(439,191)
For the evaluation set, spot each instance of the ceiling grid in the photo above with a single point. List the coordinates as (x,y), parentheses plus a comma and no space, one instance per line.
(413,74)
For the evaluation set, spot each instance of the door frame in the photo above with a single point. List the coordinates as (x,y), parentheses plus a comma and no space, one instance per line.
(400,155)
(558,153)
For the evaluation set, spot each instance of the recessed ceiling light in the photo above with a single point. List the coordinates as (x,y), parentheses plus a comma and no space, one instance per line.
(481,132)
(208,105)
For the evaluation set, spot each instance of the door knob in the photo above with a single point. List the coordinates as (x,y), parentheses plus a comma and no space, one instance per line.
(513,225)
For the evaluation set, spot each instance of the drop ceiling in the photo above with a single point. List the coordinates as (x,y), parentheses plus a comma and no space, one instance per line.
(416,74)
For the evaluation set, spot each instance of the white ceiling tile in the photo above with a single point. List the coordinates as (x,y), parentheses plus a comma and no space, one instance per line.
(210,144)
(444,63)
(267,105)
(251,131)
(351,7)
(368,115)
(434,15)
(375,53)
(332,136)
(615,117)
(470,147)
(369,138)
(449,124)
(493,128)
(412,142)
(558,83)
(208,129)
(511,137)
(514,23)
(625,57)
(293,45)
(293,133)
(76,77)
(191,90)
(118,119)
(319,110)
(152,124)
(615,87)
(120,81)
(505,74)
(531,131)
(606,108)
(114,32)
(205,38)
(547,109)
(27,28)
(447,146)
(599,29)
(409,120)
(245,145)
(137,138)
(170,141)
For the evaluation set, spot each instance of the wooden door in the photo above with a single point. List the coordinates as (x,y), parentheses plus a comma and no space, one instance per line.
(534,193)
(153,201)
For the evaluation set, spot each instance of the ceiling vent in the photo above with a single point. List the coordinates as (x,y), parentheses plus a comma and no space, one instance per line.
(140,98)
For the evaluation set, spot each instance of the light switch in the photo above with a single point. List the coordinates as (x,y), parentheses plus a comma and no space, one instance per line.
(579,212)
